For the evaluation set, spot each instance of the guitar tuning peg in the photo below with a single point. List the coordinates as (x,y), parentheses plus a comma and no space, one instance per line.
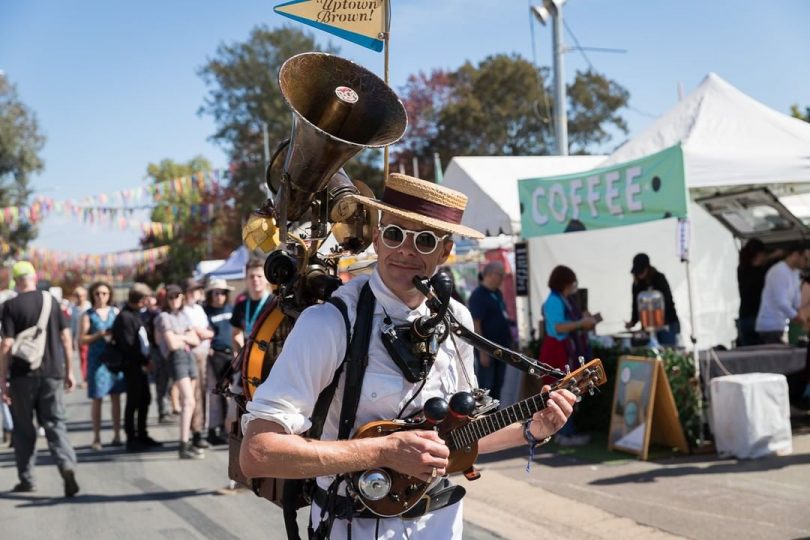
(581,360)
(567,370)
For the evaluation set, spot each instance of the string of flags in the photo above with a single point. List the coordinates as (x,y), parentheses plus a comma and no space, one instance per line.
(57,262)
(117,208)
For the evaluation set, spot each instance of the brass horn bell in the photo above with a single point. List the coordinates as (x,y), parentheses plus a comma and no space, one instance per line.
(339,108)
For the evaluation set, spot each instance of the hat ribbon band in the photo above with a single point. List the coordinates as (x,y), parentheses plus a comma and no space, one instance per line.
(410,203)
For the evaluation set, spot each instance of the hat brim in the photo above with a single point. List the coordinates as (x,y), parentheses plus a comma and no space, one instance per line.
(433,223)
(226,288)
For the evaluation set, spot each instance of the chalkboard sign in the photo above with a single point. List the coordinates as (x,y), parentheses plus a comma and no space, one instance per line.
(643,408)
(522,269)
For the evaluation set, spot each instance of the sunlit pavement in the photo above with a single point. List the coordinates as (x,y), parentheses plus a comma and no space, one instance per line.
(587,493)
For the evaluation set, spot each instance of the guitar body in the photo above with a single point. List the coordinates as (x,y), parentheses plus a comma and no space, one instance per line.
(388,493)
(406,491)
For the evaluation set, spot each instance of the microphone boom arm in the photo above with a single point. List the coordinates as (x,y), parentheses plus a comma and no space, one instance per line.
(515,359)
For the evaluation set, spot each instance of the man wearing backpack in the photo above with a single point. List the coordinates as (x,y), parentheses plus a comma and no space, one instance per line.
(413,239)
(36,385)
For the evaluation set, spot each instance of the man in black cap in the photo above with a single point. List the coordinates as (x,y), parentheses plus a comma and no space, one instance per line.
(130,338)
(645,277)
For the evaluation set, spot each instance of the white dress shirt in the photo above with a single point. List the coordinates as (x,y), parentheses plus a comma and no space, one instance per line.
(780,298)
(307,363)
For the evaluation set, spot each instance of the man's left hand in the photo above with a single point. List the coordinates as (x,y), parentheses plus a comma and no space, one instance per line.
(559,406)
(70,381)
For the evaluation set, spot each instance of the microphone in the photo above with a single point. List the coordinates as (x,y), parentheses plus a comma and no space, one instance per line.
(437,290)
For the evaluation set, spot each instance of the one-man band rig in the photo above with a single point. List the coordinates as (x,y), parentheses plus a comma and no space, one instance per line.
(339,109)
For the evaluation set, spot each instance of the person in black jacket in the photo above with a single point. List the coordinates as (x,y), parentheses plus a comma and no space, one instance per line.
(130,337)
(645,277)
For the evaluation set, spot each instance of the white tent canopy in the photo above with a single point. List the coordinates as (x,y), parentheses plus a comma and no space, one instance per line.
(728,139)
(491,185)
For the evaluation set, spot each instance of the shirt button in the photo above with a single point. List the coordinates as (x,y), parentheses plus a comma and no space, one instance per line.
(374,394)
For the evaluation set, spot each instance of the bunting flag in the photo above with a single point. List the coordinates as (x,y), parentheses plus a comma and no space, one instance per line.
(93,208)
(118,265)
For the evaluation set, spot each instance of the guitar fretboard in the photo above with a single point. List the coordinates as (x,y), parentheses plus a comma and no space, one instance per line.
(481,427)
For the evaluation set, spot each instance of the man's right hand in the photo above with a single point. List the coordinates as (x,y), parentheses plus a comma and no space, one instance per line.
(629,325)
(416,453)
(587,323)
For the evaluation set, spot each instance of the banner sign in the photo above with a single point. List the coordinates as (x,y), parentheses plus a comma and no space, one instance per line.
(522,269)
(683,239)
(646,189)
(358,21)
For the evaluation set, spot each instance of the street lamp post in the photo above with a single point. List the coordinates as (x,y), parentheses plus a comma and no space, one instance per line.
(553,9)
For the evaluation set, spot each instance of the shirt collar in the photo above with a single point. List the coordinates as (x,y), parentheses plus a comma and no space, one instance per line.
(388,302)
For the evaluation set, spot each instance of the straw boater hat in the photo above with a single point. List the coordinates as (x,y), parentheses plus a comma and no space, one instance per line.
(424,202)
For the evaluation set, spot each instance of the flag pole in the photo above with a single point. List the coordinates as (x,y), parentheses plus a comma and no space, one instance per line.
(385,36)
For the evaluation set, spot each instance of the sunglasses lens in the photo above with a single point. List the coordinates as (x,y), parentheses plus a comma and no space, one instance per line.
(393,236)
(425,242)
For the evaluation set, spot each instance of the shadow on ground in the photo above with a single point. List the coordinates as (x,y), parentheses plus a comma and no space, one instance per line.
(34,501)
(723,467)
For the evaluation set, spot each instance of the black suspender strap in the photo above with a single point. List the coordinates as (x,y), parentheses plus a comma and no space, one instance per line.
(356,358)
(357,362)
(325,398)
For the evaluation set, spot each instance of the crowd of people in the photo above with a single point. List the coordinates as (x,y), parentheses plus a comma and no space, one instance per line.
(181,337)
(184,338)
(774,286)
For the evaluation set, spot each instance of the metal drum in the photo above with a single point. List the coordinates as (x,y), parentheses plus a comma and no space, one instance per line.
(263,347)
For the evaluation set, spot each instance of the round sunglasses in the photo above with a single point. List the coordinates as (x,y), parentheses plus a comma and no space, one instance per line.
(425,242)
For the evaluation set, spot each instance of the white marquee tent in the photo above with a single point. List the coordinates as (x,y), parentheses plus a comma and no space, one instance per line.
(491,185)
(729,141)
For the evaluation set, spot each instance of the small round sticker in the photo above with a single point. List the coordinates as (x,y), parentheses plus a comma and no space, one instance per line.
(625,375)
(346,94)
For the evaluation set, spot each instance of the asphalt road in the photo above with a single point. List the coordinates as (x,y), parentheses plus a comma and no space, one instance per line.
(568,494)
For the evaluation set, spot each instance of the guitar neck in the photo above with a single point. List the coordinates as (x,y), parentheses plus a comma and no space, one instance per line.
(481,427)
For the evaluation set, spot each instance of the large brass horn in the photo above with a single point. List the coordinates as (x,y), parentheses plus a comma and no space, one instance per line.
(339,108)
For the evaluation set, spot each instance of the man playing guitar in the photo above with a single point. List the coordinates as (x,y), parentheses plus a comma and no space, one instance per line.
(414,238)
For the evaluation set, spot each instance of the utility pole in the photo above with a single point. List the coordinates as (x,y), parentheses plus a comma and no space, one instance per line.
(552,9)
(560,104)
(266,144)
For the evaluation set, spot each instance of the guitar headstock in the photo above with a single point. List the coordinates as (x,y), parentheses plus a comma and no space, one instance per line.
(583,380)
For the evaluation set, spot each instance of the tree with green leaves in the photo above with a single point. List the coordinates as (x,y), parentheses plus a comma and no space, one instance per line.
(424,97)
(503,107)
(20,145)
(205,224)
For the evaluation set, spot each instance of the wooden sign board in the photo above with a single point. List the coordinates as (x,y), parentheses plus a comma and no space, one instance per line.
(643,408)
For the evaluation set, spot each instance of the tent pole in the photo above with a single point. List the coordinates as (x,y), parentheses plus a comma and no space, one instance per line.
(685,243)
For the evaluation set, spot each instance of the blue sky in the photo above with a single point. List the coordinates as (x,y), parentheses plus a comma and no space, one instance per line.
(114,84)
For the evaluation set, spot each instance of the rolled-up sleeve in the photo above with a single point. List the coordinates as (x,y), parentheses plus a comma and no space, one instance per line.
(307,363)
